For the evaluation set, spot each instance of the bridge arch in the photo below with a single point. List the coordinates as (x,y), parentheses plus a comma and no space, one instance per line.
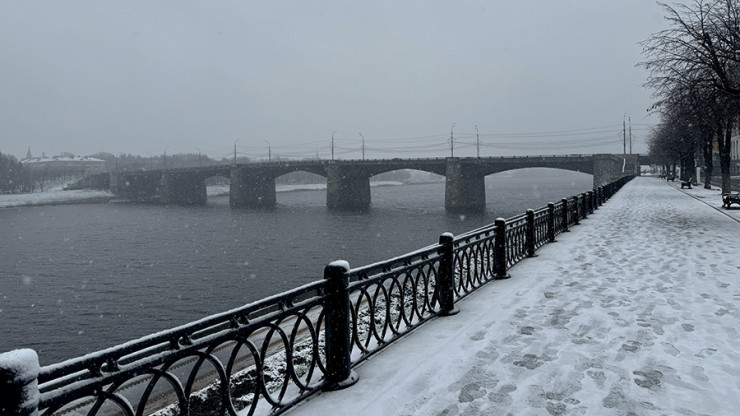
(348,186)
(253,186)
(582,165)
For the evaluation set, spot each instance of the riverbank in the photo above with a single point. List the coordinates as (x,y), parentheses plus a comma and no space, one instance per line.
(58,196)
(632,312)
(55,197)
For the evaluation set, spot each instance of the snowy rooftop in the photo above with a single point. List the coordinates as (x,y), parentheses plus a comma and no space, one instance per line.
(54,196)
(46,159)
(633,312)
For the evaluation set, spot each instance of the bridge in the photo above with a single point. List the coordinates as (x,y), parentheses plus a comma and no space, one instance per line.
(348,181)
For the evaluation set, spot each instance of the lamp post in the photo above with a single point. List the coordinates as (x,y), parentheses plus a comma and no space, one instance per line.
(477,141)
(332,144)
(269,151)
(235,150)
(199,161)
(363,146)
(452,141)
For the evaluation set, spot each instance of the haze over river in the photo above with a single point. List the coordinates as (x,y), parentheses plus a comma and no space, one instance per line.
(78,278)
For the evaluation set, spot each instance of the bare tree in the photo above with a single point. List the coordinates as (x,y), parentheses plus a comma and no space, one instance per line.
(700,52)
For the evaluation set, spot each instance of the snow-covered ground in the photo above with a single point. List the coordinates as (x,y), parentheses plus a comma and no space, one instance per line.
(633,312)
(54,195)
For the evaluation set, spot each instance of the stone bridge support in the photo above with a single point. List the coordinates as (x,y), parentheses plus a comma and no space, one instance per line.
(139,186)
(251,189)
(183,188)
(465,187)
(347,188)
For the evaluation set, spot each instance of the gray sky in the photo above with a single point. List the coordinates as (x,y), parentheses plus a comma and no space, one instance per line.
(143,77)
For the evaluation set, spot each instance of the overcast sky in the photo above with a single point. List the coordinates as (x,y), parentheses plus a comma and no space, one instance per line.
(145,77)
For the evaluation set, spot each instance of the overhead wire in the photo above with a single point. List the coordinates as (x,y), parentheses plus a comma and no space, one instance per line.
(588,137)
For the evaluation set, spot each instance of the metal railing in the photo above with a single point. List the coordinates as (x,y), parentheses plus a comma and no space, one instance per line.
(265,357)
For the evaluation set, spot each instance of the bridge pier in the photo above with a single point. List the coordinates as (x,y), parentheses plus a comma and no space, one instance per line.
(465,188)
(183,189)
(347,188)
(136,186)
(251,189)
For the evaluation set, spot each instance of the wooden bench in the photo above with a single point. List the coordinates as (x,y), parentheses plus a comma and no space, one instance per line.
(687,184)
(729,199)
(671,178)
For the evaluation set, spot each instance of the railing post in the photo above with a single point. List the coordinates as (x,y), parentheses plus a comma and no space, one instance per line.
(499,250)
(591,203)
(19,389)
(446,277)
(531,235)
(551,222)
(577,211)
(337,331)
(566,208)
(584,205)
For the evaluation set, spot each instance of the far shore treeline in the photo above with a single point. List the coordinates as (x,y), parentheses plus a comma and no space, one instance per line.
(13,178)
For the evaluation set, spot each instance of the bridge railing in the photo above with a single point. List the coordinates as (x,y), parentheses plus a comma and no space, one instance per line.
(265,357)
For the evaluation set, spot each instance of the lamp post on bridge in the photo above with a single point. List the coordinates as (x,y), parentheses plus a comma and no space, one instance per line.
(452,141)
(332,144)
(477,141)
(363,146)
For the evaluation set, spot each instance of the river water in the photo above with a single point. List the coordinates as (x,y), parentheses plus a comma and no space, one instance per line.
(78,278)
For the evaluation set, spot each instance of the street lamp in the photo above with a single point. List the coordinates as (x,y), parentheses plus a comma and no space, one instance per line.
(269,151)
(363,146)
(452,141)
(332,144)
(235,150)
(477,141)
(199,161)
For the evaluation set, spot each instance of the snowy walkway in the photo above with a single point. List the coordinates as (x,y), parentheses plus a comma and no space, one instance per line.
(633,312)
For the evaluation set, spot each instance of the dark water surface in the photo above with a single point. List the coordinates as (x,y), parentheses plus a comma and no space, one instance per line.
(78,278)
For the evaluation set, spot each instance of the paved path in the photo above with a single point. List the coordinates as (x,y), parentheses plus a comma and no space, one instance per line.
(633,312)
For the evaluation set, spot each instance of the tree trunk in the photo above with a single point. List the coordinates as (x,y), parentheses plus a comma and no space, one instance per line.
(707,141)
(724,158)
(688,166)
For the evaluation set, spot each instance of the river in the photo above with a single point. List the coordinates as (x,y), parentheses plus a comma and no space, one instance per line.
(78,278)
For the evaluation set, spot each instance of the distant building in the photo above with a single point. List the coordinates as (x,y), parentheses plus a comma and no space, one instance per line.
(64,165)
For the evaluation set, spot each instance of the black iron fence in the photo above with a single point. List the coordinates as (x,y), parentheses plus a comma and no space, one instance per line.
(265,357)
